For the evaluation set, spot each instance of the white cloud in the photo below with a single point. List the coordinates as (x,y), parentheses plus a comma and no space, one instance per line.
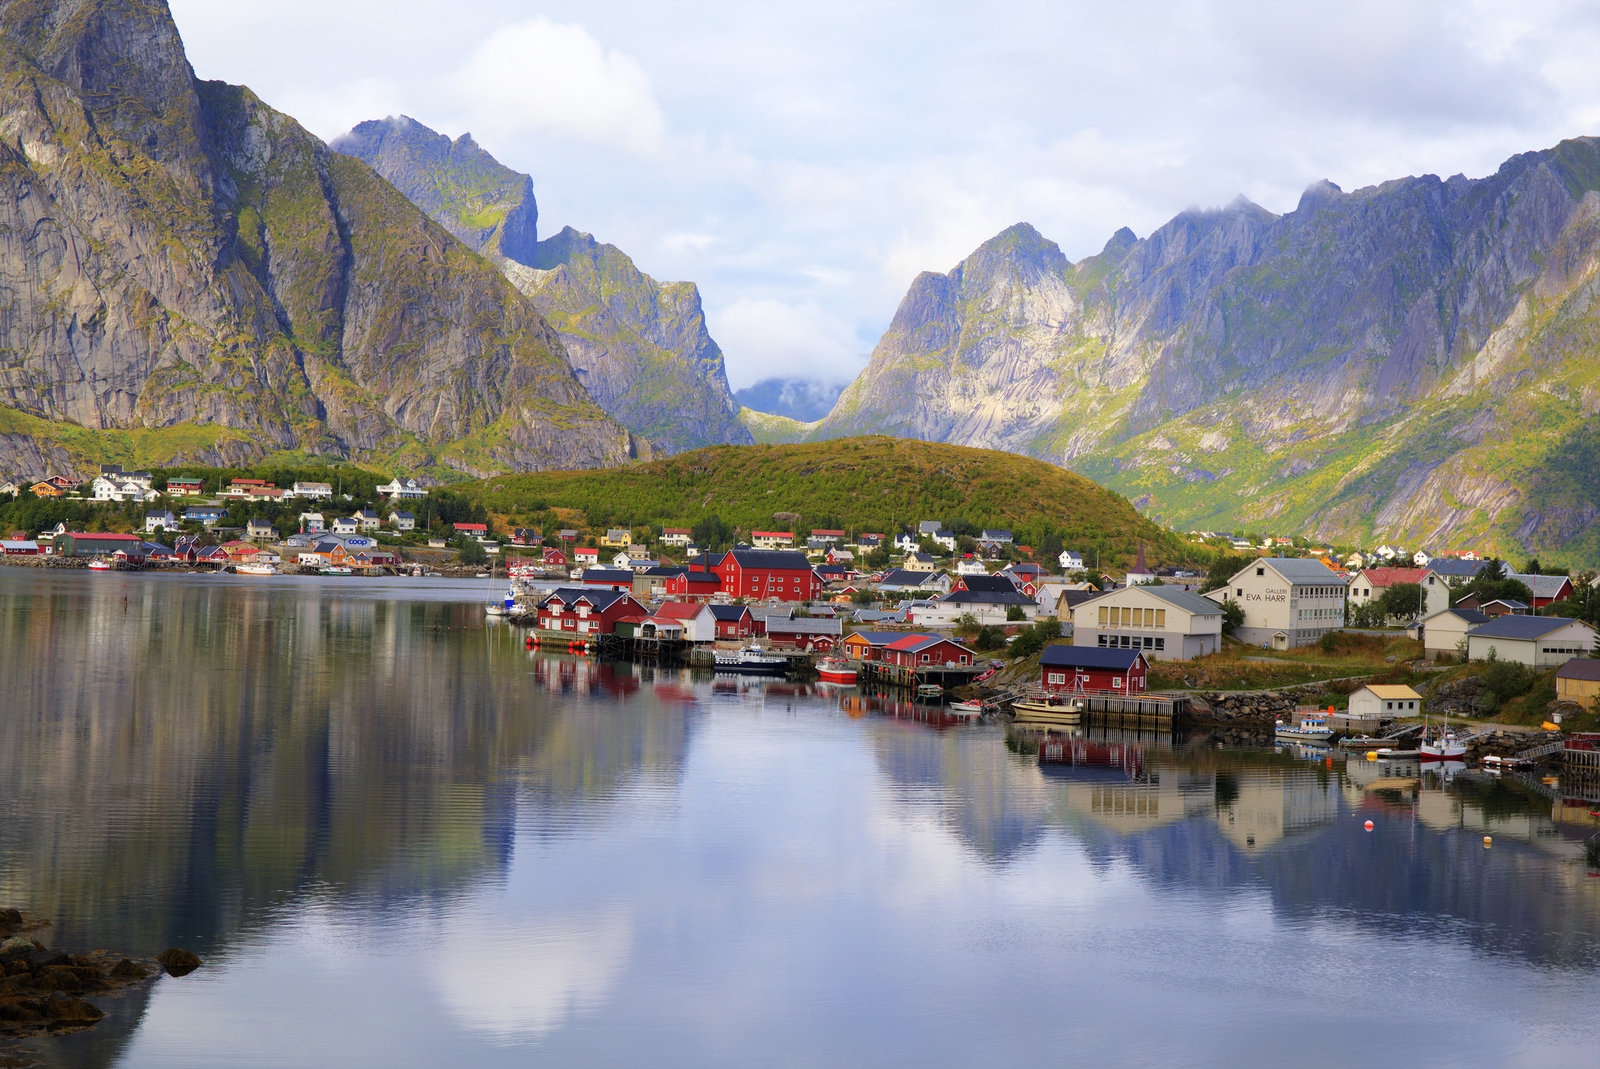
(541,76)
(776,339)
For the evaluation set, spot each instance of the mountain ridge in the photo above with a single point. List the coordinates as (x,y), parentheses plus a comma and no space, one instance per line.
(1393,362)
(639,346)
(178,257)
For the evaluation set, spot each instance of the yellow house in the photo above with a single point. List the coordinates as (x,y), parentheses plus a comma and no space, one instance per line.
(1579,681)
(617,538)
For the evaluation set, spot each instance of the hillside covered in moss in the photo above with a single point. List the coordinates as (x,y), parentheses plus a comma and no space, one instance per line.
(185,267)
(858,484)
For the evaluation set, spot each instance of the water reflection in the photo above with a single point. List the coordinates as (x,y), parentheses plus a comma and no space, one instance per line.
(405,839)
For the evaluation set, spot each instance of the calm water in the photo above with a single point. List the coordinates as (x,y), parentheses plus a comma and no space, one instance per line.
(400,839)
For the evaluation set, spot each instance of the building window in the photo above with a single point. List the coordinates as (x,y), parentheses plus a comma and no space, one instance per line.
(1102,616)
(1239,593)
(1261,571)
(1116,683)
(1161,644)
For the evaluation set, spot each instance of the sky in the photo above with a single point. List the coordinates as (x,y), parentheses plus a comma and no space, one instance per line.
(803,162)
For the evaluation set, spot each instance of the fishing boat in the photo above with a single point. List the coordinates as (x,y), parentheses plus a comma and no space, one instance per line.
(1305,727)
(750,660)
(1049,708)
(835,669)
(100,564)
(256,569)
(1442,745)
(336,569)
(966,709)
(929,690)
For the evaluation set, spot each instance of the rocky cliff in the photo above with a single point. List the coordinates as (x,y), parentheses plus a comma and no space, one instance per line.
(640,346)
(187,274)
(1415,360)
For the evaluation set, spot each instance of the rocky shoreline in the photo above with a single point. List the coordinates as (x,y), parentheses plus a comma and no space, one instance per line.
(46,992)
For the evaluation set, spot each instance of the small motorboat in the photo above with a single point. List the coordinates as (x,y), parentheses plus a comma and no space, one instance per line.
(966,709)
(1049,709)
(256,569)
(1305,727)
(336,569)
(835,669)
(750,660)
(100,564)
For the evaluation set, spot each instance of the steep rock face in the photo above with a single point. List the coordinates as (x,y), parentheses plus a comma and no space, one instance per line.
(176,253)
(467,191)
(640,347)
(1401,361)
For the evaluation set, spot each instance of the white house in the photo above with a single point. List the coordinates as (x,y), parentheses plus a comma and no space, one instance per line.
(403,521)
(402,490)
(675,536)
(322,491)
(972,566)
(254,529)
(1287,601)
(945,539)
(110,490)
(312,522)
(346,525)
(1070,561)
(1166,623)
(905,543)
(163,519)
(367,520)
(1370,584)
(1378,702)
(1537,641)
(1444,632)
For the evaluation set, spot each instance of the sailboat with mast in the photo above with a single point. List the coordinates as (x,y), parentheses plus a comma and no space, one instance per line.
(1441,743)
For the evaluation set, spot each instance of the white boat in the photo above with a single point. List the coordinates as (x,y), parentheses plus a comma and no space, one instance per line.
(256,569)
(1049,709)
(336,569)
(100,564)
(835,669)
(1442,745)
(751,661)
(1306,727)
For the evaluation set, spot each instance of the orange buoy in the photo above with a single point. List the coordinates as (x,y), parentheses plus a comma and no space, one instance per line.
(1369,825)
(1487,842)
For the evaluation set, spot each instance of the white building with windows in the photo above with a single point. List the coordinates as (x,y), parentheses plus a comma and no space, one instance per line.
(1287,601)
(1536,641)
(1165,623)
(403,490)
(318,491)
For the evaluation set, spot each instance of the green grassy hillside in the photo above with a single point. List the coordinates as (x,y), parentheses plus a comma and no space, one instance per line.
(859,484)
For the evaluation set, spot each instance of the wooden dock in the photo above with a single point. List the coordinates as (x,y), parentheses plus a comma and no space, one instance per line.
(900,677)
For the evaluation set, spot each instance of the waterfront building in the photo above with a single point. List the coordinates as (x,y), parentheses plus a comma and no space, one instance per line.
(1092,668)
(587,612)
(1166,623)
(94,544)
(1377,702)
(1536,641)
(1287,601)
(1578,681)
(763,574)
(1444,633)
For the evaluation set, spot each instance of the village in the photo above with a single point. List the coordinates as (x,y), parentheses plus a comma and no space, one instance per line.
(947,616)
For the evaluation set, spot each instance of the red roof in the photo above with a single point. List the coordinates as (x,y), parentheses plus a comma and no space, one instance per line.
(472,527)
(675,610)
(103,536)
(1387,577)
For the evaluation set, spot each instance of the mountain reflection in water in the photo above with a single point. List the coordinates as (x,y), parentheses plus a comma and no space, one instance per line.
(401,838)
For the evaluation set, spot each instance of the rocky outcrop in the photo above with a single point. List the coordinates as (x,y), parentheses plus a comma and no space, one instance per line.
(177,257)
(640,347)
(1412,361)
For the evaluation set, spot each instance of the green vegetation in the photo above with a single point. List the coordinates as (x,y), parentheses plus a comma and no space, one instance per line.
(859,484)
(1339,655)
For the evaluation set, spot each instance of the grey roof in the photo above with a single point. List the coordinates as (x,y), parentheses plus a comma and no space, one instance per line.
(1183,599)
(815,625)
(1542,586)
(902,577)
(1001,535)
(1520,628)
(1452,568)
(1299,571)
(1580,668)
(995,584)
(600,599)
(775,559)
(1089,657)
(986,597)
(1471,616)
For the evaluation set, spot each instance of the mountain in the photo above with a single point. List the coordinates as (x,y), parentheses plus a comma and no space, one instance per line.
(188,275)
(801,400)
(640,346)
(1412,361)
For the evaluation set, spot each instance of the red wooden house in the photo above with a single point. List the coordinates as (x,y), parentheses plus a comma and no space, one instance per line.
(693,586)
(925,651)
(587,613)
(733,621)
(554,558)
(869,645)
(1061,668)
(763,574)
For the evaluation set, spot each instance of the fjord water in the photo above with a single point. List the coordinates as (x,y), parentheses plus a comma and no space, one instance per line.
(400,839)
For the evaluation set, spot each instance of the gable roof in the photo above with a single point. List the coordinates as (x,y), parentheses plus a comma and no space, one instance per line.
(1393,692)
(1470,616)
(1061,656)
(1387,577)
(1542,586)
(677,610)
(607,575)
(1587,668)
(882,638)
(1520,628)
(917,643)
(998,584)
(1297,571)
(1454,568)
(729,613)
(600,599)
(789,559)
(814,625)
(1178,598)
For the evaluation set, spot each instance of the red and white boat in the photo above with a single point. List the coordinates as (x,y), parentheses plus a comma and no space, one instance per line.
(836,670)
(1441,744)
(100,564)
